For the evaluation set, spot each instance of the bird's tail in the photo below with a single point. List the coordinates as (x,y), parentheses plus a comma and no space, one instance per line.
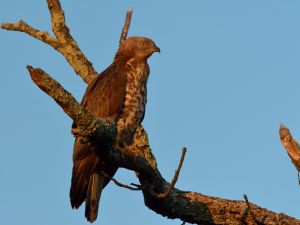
(94,190)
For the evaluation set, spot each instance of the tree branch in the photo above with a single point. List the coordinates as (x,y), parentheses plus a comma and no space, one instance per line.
(84,121)
(126,25)
(120,184)
(191,207)
(291,146)
(63,43)
(43,36)
(172,185)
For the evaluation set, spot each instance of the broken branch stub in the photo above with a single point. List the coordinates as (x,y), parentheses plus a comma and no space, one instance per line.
(290,145)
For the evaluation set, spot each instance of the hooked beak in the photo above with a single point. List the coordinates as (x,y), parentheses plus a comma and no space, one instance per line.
(156,49)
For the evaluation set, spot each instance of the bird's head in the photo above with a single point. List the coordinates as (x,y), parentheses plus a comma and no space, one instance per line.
(139,47)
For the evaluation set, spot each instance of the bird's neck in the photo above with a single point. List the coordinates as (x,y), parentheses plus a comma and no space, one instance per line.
(137,70)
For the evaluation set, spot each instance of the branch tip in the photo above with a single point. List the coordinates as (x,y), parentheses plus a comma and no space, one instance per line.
(29,68)
(126,25)
(175,178)
(136,188)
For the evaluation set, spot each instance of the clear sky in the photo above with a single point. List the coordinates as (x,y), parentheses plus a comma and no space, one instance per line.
(227,76)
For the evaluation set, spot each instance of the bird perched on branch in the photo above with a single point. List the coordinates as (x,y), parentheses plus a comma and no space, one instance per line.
(120,93)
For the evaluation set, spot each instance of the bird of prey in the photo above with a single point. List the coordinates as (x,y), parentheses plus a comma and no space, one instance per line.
(119,93)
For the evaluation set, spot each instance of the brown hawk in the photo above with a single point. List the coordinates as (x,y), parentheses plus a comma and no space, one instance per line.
(120,93)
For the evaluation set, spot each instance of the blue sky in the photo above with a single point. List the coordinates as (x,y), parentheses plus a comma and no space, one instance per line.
(227,76)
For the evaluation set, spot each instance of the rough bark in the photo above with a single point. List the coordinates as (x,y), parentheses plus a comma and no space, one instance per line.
(291,146)
(188,206)
(63,43)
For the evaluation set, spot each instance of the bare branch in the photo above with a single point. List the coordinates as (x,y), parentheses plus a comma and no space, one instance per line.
(59,26)
(188,206)
(64,42)
(291,146)
(43,36)
(85,122)
(175,178)
(126,25)
(119,183)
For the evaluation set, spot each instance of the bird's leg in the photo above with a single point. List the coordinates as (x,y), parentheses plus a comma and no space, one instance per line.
(298,178)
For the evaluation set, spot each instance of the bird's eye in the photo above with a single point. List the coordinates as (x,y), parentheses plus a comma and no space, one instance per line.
(142,43)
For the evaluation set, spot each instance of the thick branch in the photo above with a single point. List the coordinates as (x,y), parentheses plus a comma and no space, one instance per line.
(84,121)
(188,206)
(291,146)
(197,208)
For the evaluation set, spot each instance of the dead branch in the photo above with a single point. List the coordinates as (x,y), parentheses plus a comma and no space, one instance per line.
(85,122)
(63,43)
(175,178)
(43,36)
(190,207)
(251,213)
(136,188)
(126,25)
(291,146)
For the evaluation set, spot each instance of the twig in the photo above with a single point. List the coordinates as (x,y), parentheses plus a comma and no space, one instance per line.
(126,25)
(120,184)
(250,211)
(175,178)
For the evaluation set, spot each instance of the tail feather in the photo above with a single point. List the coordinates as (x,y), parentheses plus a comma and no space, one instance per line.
(82,171)
(94,191)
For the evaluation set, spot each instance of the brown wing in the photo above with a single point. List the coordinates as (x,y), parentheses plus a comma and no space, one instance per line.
(103,98)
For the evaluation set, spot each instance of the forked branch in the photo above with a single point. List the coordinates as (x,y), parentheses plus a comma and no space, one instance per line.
(63,43)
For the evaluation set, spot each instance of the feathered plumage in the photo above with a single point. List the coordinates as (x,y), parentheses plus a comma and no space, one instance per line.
(119,93)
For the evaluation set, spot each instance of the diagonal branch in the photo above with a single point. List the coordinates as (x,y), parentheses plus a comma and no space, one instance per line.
(191,207)
(43,36)
(85,122)
(175,178)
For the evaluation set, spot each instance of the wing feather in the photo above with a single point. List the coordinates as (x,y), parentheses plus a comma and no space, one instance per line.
(104,97)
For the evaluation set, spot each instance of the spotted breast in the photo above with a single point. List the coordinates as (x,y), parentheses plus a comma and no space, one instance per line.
(133,109)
